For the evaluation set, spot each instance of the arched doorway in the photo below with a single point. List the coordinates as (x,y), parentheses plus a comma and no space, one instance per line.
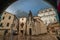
(30,31)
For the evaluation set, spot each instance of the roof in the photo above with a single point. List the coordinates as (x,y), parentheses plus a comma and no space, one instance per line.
(46,10)
(54,25)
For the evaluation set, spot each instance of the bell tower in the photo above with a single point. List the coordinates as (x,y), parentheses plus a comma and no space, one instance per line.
(30,17)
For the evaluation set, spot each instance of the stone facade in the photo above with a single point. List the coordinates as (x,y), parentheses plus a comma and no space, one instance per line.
(54,28)
(22,25)
(48,16)
(8,21)
(33,25)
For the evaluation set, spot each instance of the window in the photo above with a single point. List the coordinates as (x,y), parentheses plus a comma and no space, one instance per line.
(3,18)
(7,24)
(53,31)
(50,10)
(22,25)
(22,31)
(0,24)
(5,13)
(9,17)
(22,18)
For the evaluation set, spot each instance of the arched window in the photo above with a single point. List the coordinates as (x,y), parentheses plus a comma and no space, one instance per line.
(22,18)
(9,17)
(3,18)
(22,24)
(7,24)
(1,24)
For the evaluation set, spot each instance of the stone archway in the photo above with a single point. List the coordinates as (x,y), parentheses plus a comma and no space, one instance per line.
(30,31)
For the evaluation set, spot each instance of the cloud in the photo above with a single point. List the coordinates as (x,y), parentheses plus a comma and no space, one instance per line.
(20,13)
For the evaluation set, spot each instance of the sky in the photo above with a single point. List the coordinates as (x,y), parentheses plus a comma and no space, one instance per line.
(27,5)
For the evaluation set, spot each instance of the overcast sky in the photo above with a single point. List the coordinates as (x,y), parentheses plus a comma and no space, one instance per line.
(26,5)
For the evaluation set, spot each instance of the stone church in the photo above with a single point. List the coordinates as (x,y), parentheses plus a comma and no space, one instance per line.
(32,25)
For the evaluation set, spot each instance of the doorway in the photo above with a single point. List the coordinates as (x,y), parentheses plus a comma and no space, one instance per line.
(30,31)
(22,32)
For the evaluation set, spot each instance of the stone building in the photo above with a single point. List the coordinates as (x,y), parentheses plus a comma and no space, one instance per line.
(48,16)
(32,25)
(54,28)
(8,22)
(22,25)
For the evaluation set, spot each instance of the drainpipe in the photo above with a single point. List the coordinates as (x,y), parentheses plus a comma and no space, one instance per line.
(11,36)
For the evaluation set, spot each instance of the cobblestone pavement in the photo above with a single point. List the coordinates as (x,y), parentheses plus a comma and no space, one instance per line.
(39,37)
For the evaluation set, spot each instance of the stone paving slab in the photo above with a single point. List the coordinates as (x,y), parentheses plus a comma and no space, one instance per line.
(40,37)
